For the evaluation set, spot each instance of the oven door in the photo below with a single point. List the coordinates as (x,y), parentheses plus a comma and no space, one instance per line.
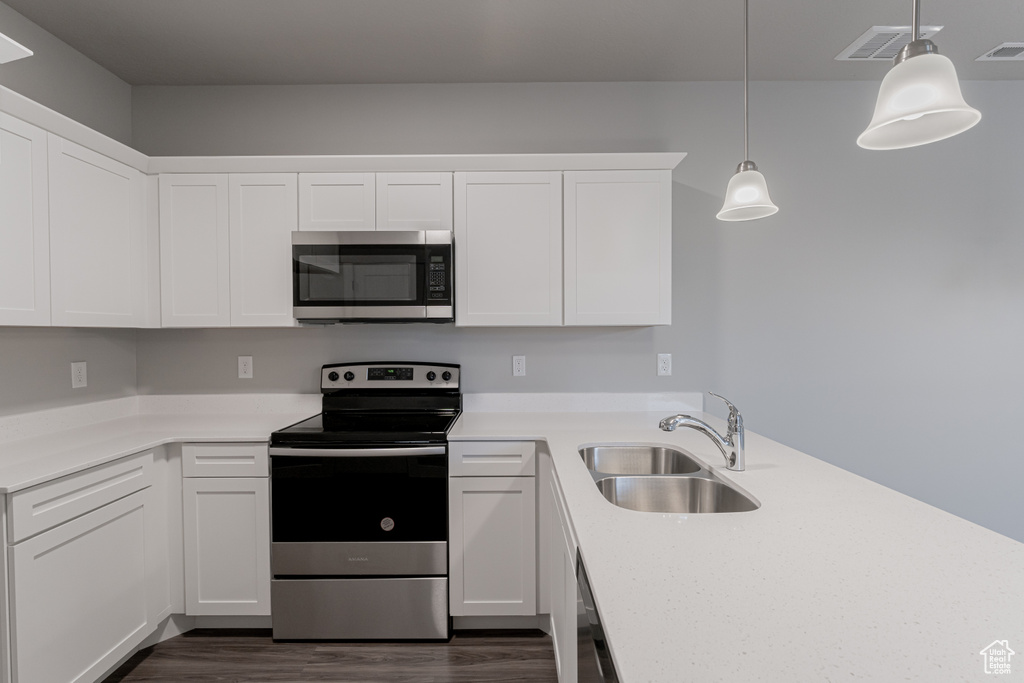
(359,512)
(372,276)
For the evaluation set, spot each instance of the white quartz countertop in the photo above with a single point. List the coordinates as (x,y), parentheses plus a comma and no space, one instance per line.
(834,578)
(70,446)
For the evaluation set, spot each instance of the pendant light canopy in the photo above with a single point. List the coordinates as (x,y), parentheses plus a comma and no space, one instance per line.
(746,197)
(919,100)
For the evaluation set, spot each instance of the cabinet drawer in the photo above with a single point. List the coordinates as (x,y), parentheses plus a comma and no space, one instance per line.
(224,459)
(45,506)
(491,458)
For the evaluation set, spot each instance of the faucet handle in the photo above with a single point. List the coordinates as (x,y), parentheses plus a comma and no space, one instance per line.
(735,419)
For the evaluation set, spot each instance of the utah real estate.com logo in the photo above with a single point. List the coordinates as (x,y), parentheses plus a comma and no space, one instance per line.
(997,657)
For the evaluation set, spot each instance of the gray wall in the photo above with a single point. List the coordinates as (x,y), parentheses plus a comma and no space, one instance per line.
(876,321)
(35,366)
(65,80)
(35,371)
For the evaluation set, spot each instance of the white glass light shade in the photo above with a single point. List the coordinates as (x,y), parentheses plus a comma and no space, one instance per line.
(919,102)
(747,198)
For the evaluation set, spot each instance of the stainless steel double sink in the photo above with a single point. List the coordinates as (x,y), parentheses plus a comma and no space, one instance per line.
(655,478)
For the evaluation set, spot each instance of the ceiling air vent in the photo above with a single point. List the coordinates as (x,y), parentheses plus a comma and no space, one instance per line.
(882,43)
(1007,52)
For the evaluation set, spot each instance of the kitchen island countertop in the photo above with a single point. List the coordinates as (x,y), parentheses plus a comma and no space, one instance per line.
(834,578)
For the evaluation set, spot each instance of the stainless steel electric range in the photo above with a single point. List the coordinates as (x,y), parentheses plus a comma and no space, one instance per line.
(359,506)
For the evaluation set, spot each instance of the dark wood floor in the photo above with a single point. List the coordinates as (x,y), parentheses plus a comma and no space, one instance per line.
(251,656)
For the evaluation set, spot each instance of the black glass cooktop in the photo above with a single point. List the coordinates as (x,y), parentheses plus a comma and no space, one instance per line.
(353,428)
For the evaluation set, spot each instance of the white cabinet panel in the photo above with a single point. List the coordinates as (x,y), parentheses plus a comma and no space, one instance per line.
(262,218)
(227,546)
(80,594)
(508,254)
(24,225)
(194,260)
(492,537)
(491,458)
(45,506)
(618,244)
(561,573)
(337,201)
(225,459)
(414,201)
(97,238)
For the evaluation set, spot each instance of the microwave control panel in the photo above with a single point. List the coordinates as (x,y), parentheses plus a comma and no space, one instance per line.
(439,278)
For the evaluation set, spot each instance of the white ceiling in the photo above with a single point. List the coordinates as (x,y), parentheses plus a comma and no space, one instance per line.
(223,42)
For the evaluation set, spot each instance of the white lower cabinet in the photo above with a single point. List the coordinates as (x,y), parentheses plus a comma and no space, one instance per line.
(80,591)
(227,543)
(492,541)
(561,573)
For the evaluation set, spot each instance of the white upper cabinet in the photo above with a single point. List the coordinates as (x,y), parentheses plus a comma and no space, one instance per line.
(194,259)
(369,201)
(508,248)
(414,201)
(618,242)
(24,225)
(262,218)
(337,201)
(97,239)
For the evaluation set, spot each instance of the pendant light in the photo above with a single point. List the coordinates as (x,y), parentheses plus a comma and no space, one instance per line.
(919,100)
(746,197)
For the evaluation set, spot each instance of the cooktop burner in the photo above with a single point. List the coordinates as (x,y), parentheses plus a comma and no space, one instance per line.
(365,428)
(380,403)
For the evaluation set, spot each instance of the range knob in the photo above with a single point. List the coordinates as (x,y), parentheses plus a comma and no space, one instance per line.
(333,376)
(446,375)
(349,376)
(431,376)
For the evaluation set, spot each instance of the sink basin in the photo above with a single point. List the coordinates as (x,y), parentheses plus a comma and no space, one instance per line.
(637,459)
(674,494)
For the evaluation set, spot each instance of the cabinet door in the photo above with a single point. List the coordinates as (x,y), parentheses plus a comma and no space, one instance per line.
(508,248)
(227,546)
(80,594)
(562,575)
(618,245)
(194,276)
(492,546)
(24,225)
(97,238)
(262,218)
(337,201)
(414,201)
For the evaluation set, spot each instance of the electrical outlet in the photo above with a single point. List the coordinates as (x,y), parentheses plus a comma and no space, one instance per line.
(79,378)
(518,366)
(664,364)
(245,367)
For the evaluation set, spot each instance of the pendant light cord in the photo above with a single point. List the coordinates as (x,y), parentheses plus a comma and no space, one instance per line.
(915,26)
(746,108)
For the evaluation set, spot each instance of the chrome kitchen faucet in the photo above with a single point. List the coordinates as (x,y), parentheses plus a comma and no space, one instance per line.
(731,444)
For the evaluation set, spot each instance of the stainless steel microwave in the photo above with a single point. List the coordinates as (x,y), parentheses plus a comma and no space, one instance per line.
(373,276)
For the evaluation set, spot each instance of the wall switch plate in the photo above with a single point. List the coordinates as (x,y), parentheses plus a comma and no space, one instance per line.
(664,364)
(518,366)
(245,367)
(79,378)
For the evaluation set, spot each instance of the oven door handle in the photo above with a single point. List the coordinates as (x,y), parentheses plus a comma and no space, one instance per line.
(359,452)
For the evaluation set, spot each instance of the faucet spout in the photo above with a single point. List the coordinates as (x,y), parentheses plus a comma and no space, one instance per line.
(730,445)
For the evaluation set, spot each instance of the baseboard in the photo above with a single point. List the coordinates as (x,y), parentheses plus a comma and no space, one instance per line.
(540,622)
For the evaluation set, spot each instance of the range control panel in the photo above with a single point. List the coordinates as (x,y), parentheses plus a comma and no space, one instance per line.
(389,376)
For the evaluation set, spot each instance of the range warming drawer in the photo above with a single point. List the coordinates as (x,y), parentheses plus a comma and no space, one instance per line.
(411,558)
(358,609)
